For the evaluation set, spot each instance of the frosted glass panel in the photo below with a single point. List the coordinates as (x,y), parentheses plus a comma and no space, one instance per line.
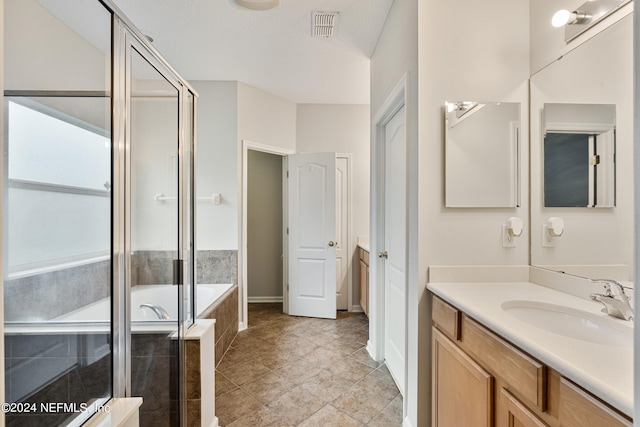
(49,149)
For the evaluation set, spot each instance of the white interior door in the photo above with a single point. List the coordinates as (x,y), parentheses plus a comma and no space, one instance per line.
(395,246)
(312,234)
(342,233)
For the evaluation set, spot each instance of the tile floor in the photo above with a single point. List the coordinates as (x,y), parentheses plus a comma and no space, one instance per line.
(297,371)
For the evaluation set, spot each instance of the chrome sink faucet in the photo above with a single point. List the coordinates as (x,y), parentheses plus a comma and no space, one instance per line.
(615,301)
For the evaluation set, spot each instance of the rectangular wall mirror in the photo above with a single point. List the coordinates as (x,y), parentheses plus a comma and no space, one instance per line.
(585,99)
(579,155)
(482,145)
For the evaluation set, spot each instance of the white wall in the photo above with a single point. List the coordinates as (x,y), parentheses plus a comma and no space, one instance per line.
(343,129)
(43,46)
(265,118)
(217,164)
(468,51)
(396,54)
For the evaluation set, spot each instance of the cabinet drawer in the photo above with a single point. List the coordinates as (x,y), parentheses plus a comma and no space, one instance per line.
(524,375)
(446,318)
(580,409)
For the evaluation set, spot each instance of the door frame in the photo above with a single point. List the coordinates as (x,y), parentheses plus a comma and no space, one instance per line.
(348,247)
(243,303)
(398,97)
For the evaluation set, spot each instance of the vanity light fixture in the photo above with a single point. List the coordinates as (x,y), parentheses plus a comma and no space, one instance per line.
(564,17)
(258,4)
(584,17)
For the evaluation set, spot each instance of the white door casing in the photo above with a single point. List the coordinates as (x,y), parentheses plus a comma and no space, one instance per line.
(394,255)
(312,234)
(342,232)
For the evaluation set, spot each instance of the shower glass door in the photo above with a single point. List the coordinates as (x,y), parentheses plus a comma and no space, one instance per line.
(154,236)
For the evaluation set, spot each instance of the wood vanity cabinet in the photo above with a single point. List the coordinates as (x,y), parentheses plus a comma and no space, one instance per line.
(480,379)
(364,280)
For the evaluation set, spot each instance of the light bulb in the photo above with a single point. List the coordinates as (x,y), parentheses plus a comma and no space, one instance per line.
(561,18)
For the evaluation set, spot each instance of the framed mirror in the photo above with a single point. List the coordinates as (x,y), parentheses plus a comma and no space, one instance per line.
(586,95)
(482,146)
(579,155)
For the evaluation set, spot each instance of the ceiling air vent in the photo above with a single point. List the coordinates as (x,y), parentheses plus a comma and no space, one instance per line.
(324,24)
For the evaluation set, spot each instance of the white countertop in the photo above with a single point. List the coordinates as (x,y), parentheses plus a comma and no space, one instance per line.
(605,371)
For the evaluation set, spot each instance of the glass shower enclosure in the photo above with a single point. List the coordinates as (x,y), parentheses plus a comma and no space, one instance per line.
(98,216)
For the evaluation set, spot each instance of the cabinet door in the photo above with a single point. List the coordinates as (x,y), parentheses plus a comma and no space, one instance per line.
(579,409)
(518,415)
(462,390)
(364,284)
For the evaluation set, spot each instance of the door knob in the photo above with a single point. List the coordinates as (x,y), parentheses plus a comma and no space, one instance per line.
(332,243)
(384,255)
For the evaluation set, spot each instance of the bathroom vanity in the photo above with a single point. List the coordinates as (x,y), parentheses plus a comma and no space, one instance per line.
(521,354)
(363,255)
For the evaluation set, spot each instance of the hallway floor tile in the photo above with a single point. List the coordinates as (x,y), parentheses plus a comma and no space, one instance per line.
(286,371)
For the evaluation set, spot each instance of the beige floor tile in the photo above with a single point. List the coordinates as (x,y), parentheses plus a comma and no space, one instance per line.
(360,403)
(330,416)
(362,356)
(263,417)
(308,372)
(381,383)
(391,416)
(326,386)
(223,385)
(244,372)
(234,405)
(268,387)
(298,372)
(350,369)
(296,405)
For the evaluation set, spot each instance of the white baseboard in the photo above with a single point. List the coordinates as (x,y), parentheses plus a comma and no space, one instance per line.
(357,309)
(406,422)
(251,300)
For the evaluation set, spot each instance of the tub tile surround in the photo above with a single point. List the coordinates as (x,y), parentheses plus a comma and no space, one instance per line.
(217,266)
(286,371)
(477,291)
(48,295)
(225,313)
(200,373)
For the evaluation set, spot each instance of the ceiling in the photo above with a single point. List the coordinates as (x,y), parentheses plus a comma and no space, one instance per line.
(272,50)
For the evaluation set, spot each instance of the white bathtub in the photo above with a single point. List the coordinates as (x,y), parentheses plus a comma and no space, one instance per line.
(164,296)
(95,317)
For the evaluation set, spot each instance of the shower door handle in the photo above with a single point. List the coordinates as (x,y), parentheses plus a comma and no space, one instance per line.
(177,271)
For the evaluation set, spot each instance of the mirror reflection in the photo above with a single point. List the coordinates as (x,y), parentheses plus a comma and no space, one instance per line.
(482,151)
(587,91)
(579,155)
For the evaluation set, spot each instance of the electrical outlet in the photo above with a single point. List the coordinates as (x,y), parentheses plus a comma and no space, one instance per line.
(547,240)
(507,240)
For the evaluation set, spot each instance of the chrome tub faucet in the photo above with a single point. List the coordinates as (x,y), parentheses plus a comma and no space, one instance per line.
(615,300)
(159,311)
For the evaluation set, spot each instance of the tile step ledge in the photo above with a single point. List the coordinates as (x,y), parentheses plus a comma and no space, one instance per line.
(123,413)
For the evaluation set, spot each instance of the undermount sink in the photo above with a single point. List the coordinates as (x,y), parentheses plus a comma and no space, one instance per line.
(572,323)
